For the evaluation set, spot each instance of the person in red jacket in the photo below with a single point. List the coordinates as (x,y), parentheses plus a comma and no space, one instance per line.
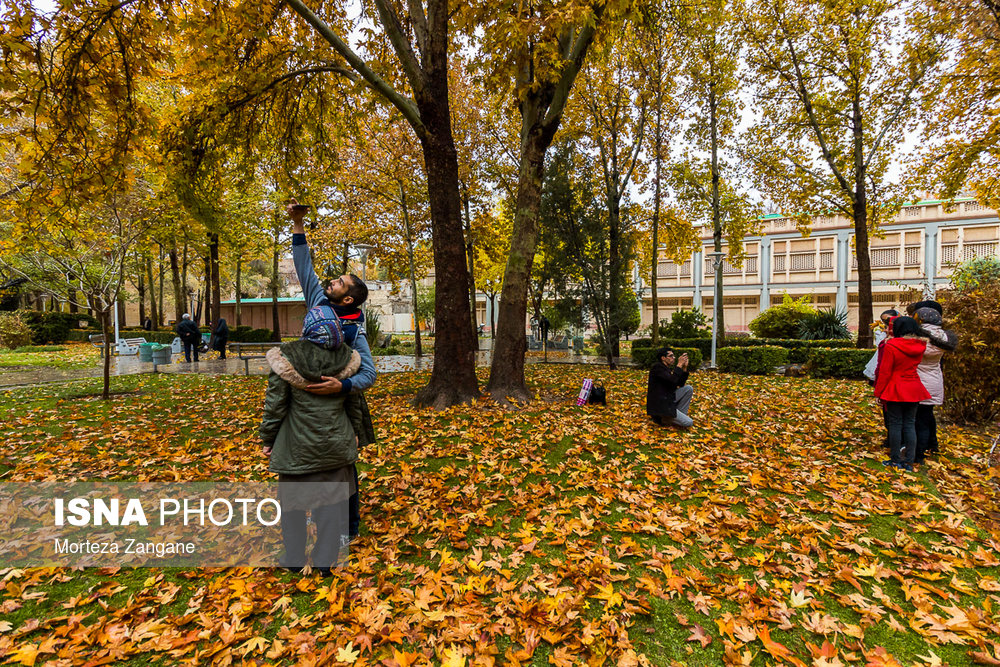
(900,390)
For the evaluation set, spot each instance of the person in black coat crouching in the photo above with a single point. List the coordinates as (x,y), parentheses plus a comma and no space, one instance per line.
(668,396)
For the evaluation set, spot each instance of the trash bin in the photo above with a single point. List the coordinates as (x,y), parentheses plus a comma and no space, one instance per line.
(578,345)
(146,351)
(160,354)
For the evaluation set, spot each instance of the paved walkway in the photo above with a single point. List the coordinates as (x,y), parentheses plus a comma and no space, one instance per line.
(131,365)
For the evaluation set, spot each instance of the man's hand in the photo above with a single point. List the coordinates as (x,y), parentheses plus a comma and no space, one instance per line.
(267,451)
(297,217)
(329,385)
(682,361)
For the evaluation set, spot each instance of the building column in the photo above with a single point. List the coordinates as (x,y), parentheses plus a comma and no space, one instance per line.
(931,232)
(764,259)
(843,268)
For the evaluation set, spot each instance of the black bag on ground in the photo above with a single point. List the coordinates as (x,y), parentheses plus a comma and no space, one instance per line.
(598,395)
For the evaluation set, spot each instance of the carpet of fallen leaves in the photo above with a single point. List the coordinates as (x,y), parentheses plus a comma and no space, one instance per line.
(769,534)
(67,355)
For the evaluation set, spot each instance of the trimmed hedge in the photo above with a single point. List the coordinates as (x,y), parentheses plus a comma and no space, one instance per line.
(646,356)
(246,334)
(755,360)
(798,350)
(827,363)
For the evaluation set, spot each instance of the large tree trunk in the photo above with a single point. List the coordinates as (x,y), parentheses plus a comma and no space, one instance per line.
(154,311)
(239,285)
(413,272)
(470,256)
(275,317)
(613,340)
(861,232)
(159,267)
(208,287)
(507,368)
(658,164)
(72,293)
(175,278)
(493,312)
(141,288)
(213,252)
(105,318)
(718,305)
(453,379)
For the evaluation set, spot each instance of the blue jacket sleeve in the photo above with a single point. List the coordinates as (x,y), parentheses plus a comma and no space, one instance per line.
(365,377)
(311,289)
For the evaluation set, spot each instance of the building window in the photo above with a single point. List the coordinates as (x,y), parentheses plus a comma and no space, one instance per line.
(826,260)
(803,261)
(979,249)
(949,253)
(912,256)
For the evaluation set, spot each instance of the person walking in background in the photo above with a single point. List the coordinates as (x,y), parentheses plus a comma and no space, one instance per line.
(898,388)
(668,396)
(190,336)
(220,337)
(932,377)
(310,439)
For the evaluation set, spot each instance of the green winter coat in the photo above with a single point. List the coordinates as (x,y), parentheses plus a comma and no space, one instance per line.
(309,432)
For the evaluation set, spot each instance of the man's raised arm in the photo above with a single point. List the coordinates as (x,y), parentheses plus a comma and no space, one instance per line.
(312,291)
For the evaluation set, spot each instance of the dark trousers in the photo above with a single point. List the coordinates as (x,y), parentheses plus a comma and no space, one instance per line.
(926,431)
(902,419)
(354,507)
(187,351)
(330,547)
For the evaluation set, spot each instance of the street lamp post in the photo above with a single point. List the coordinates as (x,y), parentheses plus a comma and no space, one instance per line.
(363,251)
(716,258)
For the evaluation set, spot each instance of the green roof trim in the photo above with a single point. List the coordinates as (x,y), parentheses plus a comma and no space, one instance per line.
(281,299)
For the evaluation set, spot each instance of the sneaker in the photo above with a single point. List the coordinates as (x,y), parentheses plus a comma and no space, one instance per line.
(888,463)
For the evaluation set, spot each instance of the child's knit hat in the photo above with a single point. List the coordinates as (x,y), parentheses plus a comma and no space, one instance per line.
(322,326)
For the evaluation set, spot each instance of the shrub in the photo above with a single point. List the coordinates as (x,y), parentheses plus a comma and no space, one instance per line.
(373,326)
(50,327)
(975,272)
(685,324)
(246,334)
(832,363)
(751,360)
(646,356)
(828,324)
(972,372)
(14,331)
(797,349)
(782,320)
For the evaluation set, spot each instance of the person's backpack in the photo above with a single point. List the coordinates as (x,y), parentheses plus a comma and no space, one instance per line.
(598,395)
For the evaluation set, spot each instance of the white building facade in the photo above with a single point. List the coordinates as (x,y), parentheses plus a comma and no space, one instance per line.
(918,250)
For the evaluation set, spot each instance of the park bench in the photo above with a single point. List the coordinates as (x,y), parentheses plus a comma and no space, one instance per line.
(559,343)
(248,351)
(125,345)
